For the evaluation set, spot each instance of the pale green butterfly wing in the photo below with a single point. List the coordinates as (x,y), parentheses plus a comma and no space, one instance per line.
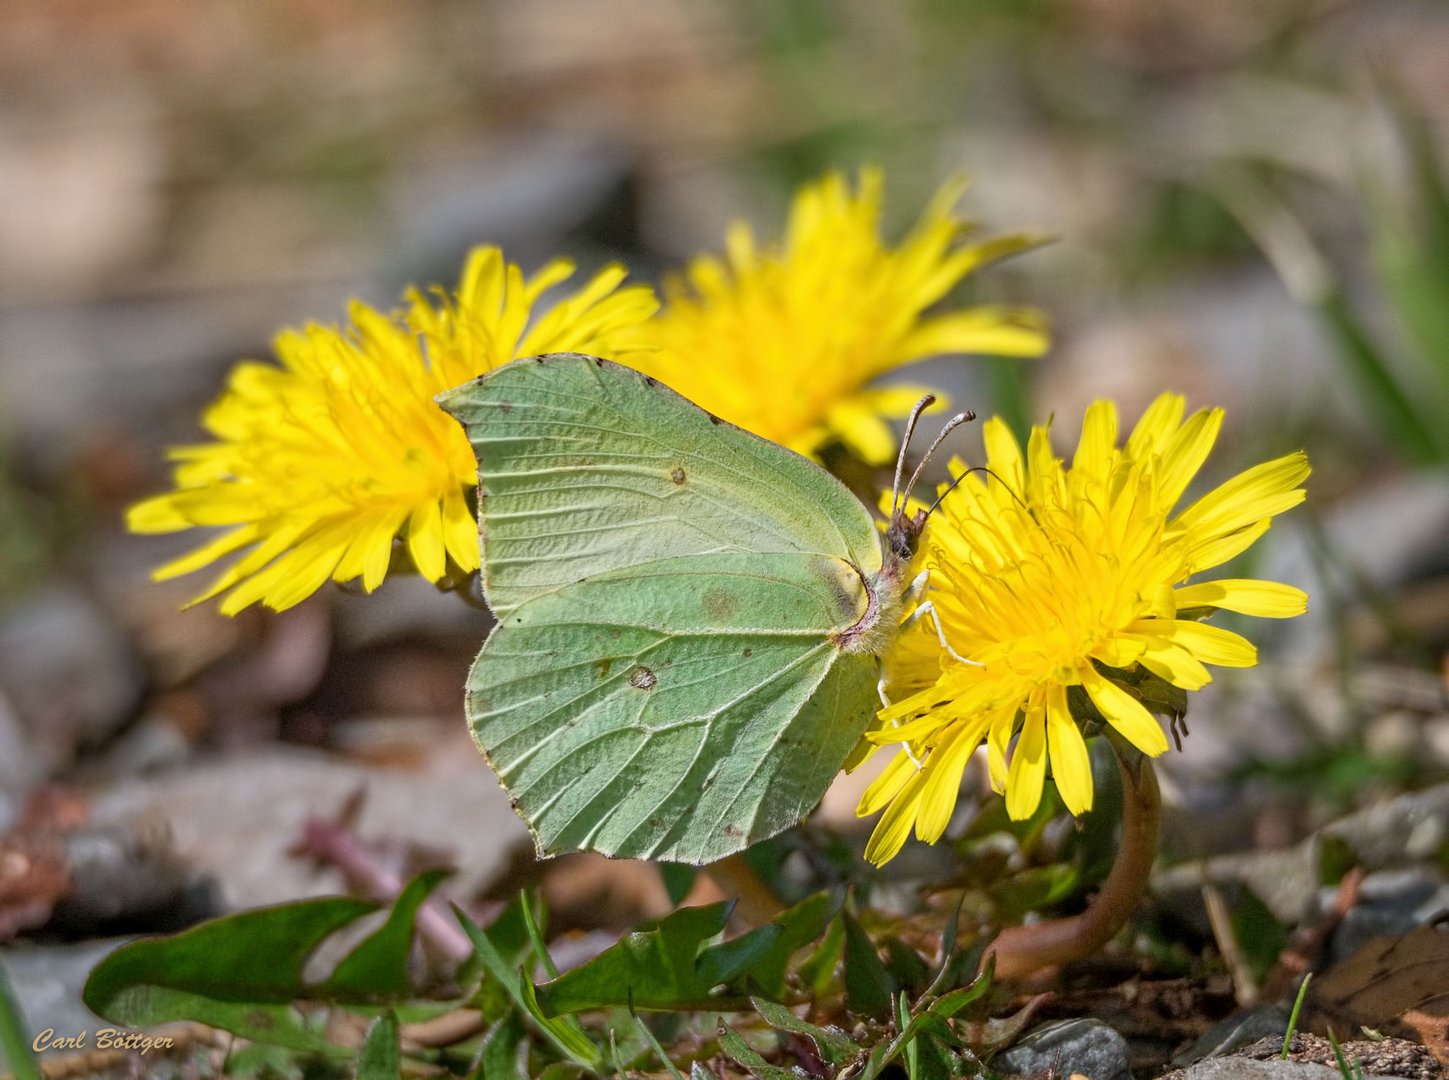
(586,466)
(680,710)
(665,680)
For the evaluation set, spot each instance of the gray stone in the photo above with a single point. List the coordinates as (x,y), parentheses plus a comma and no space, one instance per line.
(404,606)
(1286,881)
(116,874)
(67,670)
(524,194)
(1400,830)
(1384,836)
(1390,903)
(1236,1031)
(234,819)
(1236,1068)
(47,981)
(1064,1047)
(20,767)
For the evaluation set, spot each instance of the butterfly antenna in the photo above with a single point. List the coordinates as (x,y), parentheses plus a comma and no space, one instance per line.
(921,406)
(975,468)
(946,429)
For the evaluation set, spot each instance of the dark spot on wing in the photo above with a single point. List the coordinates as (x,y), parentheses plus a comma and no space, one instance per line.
(719,603)
(598,361)
(677,475)
(642,678)
(749,652)
(602,667)
(505,406)
(713,419)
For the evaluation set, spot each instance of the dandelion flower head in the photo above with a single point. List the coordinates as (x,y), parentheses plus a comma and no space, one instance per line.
(1061,580)
(319,461)
(783,341)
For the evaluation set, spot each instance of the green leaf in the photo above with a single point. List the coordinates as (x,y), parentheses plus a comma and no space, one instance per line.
(510,938)
(254,1059)
(935,1060)
(561,1070)
(868,985)
(656,966)
(948,1005)
(799,925)
(724,962)
(818,970)
(1261,937)
(906,968)
(834,1046)
(1035,888)
(378,968)
(742,1054)
(380,1057)
(563,1032)
(505,1050)
(678,880)
(240,973)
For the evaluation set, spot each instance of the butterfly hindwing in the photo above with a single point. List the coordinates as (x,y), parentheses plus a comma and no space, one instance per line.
(680,710)
(586,467)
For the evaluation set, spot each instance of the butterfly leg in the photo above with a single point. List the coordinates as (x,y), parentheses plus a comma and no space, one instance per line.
(886,700)
(917,588)
(929,608)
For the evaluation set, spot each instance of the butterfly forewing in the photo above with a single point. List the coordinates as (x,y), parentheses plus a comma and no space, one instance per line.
(586,466)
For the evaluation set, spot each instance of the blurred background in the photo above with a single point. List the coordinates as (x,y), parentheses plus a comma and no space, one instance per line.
(1249,206)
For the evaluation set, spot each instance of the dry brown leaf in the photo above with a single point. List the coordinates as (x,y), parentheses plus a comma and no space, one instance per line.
(1395,985)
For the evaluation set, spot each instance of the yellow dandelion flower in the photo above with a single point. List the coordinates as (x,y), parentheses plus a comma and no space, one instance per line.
(321,460)
(1051,580)
(783,341)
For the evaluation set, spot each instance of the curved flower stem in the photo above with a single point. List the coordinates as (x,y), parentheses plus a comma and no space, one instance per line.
(1022,950)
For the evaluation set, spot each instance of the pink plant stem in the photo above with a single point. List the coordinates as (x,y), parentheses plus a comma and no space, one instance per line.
(1023,950)
(335,844)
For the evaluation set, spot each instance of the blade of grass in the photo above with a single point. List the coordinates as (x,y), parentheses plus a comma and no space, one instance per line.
(564,1032)
(1398,420)
(653,1041)
(13,1042)
(1354,1073)
(1293,1016)
(1308,277)
(536,936)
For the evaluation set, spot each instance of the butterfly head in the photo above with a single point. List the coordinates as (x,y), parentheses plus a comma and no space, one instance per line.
(903,532)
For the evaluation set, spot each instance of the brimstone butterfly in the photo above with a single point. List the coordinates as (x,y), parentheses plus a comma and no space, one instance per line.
(690,618)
